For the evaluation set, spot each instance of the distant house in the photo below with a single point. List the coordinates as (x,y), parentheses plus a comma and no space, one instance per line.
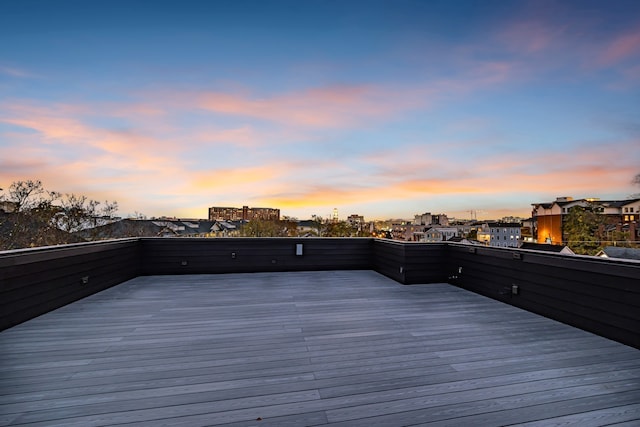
(545,247)
(464,240)
(160,228)
(308,228)
(619,252)
(224,229)
(438,234)
(500,234)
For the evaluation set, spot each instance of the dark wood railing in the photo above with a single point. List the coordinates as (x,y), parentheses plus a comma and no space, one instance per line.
(36,281)
(598,295)
(247,255)
(595,294)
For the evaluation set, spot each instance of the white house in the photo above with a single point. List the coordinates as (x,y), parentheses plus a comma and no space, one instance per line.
(500,234)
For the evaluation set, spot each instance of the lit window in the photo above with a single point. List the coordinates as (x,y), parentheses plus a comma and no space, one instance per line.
(626,218)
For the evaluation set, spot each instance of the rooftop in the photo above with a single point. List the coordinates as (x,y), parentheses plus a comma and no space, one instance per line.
(308,348)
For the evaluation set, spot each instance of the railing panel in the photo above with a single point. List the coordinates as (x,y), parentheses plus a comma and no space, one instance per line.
(238,255)
(598,295)
(36,281)
(410,262)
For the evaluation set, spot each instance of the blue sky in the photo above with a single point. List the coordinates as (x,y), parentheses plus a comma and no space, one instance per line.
(385,109)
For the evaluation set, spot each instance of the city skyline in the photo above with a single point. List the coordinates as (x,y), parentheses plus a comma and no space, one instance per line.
(383,109)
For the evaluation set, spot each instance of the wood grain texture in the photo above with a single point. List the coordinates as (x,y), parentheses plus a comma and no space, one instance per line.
(307,348)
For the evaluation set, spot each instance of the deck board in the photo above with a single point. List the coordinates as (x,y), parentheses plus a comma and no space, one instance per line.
(308,348)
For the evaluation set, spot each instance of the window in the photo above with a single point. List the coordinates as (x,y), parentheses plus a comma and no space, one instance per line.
(626,218)
(631,209)
(626,210)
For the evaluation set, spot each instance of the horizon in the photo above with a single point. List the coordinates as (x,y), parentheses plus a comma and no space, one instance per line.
(382,109)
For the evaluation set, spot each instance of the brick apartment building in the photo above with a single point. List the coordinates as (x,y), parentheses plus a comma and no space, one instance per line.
(217,213)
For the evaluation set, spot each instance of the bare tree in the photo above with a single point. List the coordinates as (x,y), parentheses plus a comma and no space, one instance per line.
(26,194)
(44,217)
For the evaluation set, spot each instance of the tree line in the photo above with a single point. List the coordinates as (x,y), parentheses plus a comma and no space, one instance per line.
(31,215)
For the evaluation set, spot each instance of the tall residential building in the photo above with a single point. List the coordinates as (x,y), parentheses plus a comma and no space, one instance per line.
(217,213)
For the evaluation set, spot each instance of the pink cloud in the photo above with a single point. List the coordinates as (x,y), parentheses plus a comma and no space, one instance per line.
(345,106)
(417,172)
(623,47)
(244,136)
(320,107)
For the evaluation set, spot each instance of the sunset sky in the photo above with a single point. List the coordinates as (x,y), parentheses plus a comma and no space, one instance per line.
(381,108)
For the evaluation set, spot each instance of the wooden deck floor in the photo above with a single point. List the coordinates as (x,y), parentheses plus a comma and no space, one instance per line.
(308,348)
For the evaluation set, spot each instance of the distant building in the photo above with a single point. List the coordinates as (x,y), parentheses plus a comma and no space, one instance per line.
(355,220)
(429,219)
(511,219)
(130,227)
(307,228)
(548,218)
(225,229)
(401,230)
(500,234)
(244,213)
(438,234)
(544,247)
(619,253)
(527,231)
